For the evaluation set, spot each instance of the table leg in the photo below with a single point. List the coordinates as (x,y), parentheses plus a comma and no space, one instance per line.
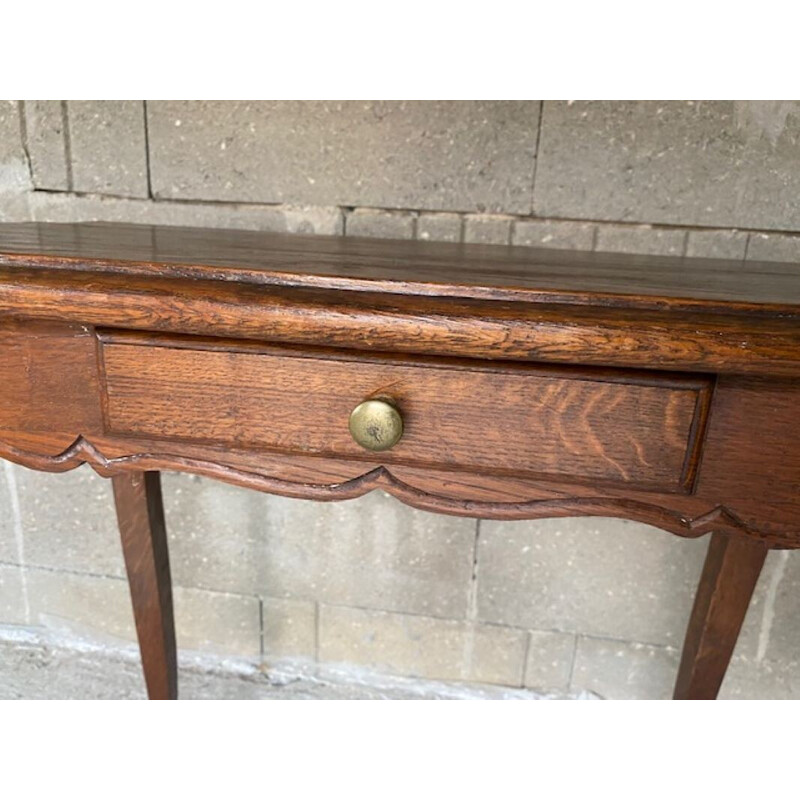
(731,570)
(144,543)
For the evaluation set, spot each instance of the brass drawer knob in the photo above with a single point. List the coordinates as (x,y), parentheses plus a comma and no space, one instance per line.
(376,424)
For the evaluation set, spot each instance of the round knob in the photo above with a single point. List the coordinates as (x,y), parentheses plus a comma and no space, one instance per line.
(376,424)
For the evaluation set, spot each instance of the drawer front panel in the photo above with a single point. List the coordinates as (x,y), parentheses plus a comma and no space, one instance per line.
(488,418)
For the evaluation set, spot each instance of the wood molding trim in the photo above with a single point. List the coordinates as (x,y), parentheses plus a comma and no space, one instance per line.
(82,451)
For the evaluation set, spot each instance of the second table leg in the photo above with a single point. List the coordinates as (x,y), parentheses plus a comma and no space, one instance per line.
(140,514)
(731,570)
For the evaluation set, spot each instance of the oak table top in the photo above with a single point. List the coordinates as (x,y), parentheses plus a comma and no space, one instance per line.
(408,267)
(481,380)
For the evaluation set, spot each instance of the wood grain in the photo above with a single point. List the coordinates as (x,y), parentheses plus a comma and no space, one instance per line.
(602,425)
(705,341)
(750,462)
(534,383)
(48,377)
(407,267)
(313,479)
(143,532)
(729,577)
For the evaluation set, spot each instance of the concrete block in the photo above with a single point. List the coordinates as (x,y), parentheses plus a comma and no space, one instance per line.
(776,610)
(36,666)
(667,162)
(381,224)
(214,622)
(750,679)
(760,621)
(82,606)
(69,521)
(717,244)
(442,155)
(95,608)
(487,230)
(11,541)
(624,670)
(286,219)
(640,239)
(308,219)
(550,658)
(290,628)
(420,646)
(372,552)
(439,227)
(558,234)
(13,596)
(15,176)
(108,147)
(773,247)
(44,127)
(602,577)
(15,207)
(216,534)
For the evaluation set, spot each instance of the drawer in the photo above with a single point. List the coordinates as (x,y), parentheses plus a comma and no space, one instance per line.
(617,426)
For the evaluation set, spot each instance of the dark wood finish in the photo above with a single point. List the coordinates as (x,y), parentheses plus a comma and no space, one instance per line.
(703,340)
(610,426)
(314,478)
(144,543)
(751,440)
(729,577)
(492,272)
(48,377)
(532,384)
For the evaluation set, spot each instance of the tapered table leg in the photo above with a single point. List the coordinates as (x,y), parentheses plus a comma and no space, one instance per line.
(144,543)
(731,570)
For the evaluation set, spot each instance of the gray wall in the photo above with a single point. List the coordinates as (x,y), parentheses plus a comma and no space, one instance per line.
(583,604)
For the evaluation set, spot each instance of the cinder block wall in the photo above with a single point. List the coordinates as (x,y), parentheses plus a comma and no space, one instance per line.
(594,604)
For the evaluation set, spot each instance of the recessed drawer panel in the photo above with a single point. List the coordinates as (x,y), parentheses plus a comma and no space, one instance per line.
(608,425)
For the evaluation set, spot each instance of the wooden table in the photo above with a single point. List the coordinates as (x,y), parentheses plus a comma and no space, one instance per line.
(487,381)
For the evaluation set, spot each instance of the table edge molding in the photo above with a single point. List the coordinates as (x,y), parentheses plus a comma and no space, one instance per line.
(82,451)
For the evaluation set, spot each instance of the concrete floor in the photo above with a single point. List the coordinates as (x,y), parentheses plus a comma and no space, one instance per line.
(39,665)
